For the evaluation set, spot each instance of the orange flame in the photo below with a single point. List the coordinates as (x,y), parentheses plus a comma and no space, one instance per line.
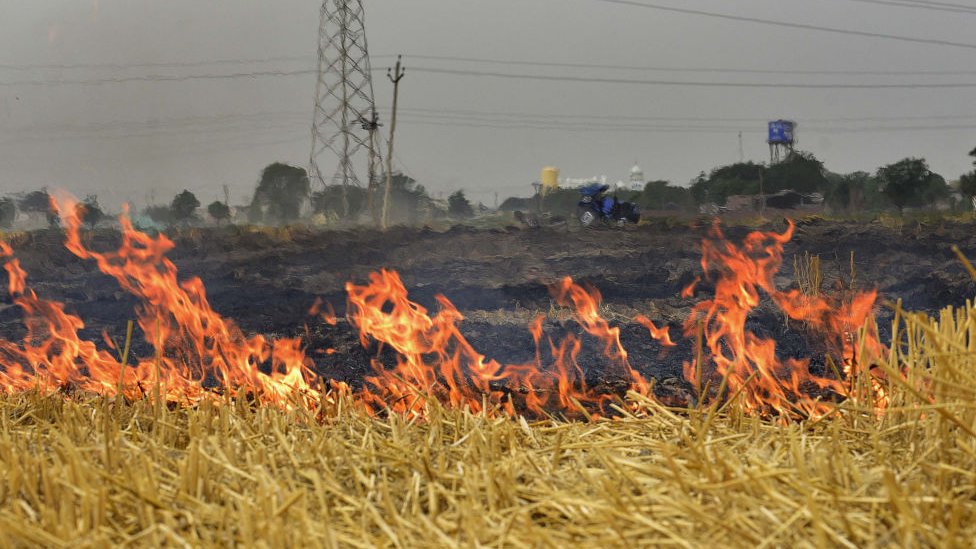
(435,361)
(421,358)
(328,315)
(663,334)
(749,365)
(196,350)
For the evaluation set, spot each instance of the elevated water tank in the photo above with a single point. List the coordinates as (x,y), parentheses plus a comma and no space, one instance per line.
(549,179)
(781,132)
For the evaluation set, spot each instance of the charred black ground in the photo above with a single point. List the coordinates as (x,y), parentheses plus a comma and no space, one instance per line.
(266,281)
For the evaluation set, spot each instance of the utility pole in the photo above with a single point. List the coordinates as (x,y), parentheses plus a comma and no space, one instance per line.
(742,156)
(343,96)
(762,192)
(372,125)
(396,76)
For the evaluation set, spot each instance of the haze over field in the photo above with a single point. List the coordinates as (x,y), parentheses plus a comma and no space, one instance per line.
(67,121)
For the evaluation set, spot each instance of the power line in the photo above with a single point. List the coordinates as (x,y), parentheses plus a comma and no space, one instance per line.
(578,125)
(495,74)
(294,127)
(161,64)
(937,3)
(804,26)
(161,123)
(931,6)
(603,128)
(680,118)
(687,83)
(688,69)
(480,60)
(598,125)
(255,122)
(158,78)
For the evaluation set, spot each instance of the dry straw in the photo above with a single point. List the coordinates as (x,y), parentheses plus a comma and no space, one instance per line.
(89,471)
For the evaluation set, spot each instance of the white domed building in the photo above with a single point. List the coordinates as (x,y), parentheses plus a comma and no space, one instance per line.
(637,180)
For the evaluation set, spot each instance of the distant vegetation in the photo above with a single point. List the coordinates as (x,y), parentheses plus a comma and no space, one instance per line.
(459,206)
(284,194)
(219,211)
(280,194)
(8,212)
(90,212)
(184,207)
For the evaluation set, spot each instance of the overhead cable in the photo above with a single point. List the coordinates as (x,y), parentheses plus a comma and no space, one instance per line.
(693,83)
(804,26)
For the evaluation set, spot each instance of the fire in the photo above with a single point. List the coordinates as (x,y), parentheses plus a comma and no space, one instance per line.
(196,351)
(748,364)
(422,357)
(435,361)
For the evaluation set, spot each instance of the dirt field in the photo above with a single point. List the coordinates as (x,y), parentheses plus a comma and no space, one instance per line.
(266,280)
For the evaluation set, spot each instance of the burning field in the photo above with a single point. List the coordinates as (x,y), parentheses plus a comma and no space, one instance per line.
(793,384)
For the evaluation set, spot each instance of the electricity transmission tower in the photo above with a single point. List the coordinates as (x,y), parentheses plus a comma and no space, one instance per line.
(345,122)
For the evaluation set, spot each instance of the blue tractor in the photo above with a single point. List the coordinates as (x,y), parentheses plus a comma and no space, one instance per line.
(595,205)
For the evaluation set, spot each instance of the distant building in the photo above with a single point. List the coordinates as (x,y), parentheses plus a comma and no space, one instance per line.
(31,221)
(787,199)
(637,180)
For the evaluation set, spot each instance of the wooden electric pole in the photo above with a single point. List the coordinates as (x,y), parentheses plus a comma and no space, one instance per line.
(762,192)
(396,76)
(371,125)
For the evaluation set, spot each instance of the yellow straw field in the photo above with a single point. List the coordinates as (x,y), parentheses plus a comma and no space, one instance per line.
(84,471)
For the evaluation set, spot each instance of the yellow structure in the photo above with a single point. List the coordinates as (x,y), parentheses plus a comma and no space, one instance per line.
(549,179)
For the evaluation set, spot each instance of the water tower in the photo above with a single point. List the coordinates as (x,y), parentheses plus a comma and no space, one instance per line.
(549,179)
(782,137)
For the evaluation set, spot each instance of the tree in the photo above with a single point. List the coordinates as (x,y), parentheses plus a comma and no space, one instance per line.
(329,200)
(36,201)
(159,214)
(967,183)
(800,172)
(280,193)
(967,186)
(8,212)
(89,212)
(409,201)
(40,201)
(219,211)
(184,206)
(725,181)
(855,192)
(909,182)
(661,195)
(458,205)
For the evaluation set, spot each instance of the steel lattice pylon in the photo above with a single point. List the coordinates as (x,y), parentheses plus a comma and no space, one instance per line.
(344,123)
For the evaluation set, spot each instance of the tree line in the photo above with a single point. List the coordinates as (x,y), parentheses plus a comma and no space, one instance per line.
(283,195)
(908,183)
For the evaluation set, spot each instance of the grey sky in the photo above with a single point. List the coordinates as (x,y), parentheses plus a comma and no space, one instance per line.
(202,134)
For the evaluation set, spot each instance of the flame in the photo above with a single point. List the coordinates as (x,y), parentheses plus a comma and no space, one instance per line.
(421,358)
(196,351)
(435,361)
(328,315)
(663,334)
(748,364)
